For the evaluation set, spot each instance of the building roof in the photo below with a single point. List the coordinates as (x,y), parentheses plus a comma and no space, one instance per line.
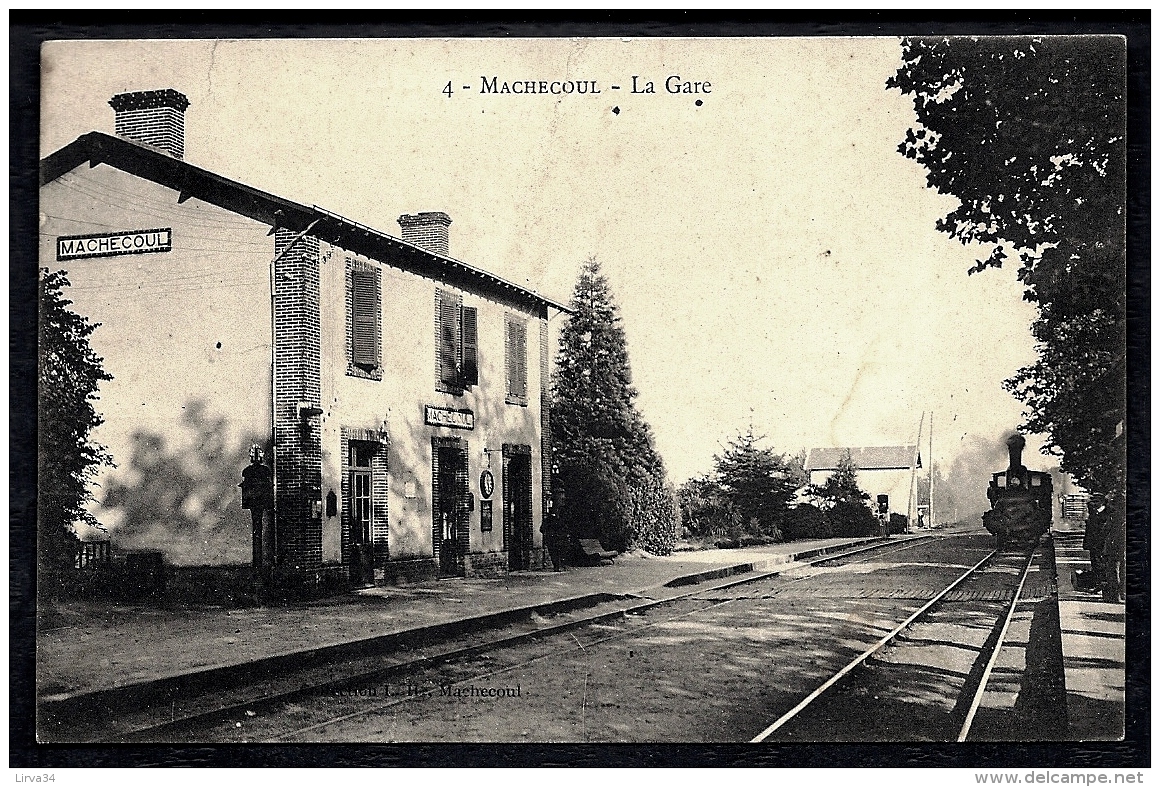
(887,457)
(192,181)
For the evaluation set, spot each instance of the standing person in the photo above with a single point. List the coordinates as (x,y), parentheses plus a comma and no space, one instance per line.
(1095,537)
(258,496)
(1115,548)
(553,532)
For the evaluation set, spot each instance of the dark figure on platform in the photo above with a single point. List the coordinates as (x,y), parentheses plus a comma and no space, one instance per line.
(553,531)
(258,496)
(1104,540)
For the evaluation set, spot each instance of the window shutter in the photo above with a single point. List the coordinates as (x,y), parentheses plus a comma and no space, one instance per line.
(470,364)
(518,361)
(522,358)
(506,502)
(365,344)
(463,500)
(509,358)
(449,340)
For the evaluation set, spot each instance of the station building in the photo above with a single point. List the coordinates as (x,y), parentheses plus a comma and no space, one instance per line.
(399,393)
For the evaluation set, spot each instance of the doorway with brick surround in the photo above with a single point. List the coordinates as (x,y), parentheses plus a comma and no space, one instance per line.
(517,505)
(450,505)
(362,494)
(363,535)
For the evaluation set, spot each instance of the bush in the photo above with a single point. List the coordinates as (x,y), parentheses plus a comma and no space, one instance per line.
(652,518)
(704,511)
(596,505)
(806,521)
(849,519)
(601,505)
(897,525)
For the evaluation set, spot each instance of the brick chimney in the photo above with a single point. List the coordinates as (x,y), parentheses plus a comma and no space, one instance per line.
(428,230)
(154,117)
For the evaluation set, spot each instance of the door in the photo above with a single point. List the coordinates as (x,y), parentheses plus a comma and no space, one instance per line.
(450,504)
(362,567)
(517,491)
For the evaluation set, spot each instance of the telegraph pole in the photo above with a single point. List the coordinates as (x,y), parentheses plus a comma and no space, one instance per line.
(912,493)
(930,491)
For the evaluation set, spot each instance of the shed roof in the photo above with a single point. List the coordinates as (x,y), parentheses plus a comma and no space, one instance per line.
(192,181)
(887,457)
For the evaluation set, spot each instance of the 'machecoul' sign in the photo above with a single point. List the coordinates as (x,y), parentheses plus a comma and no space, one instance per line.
(111,244)
(445,416)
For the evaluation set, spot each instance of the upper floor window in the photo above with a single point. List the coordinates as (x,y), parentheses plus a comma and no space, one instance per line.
(363,320)
(456,343)
(516,355)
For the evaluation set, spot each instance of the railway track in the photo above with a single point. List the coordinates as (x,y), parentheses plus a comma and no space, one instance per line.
(856,698)
(215,716)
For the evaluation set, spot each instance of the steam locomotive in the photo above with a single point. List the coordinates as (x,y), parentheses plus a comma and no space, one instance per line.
(1021,501)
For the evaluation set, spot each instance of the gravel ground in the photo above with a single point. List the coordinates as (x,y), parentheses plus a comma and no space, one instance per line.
(715,668)
(88,645)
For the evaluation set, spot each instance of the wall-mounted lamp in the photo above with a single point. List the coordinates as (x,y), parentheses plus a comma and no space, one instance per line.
(308,410)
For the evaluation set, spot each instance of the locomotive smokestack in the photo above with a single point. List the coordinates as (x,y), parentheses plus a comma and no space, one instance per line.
(1015,444)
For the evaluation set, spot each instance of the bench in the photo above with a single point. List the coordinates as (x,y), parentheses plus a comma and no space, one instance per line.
(592,550)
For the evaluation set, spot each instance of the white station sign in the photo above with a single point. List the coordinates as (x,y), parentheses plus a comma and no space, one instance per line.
(112,244)
(456,419)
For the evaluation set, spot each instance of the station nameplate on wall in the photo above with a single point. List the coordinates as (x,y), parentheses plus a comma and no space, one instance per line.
(113,244)
(444,416)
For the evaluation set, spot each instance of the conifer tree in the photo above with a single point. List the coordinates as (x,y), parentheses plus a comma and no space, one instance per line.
(69,375)
(840,487)
(605,460)
(844,502)
(757,483)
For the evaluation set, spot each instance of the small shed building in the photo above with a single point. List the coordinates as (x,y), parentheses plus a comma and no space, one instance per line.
(882,470)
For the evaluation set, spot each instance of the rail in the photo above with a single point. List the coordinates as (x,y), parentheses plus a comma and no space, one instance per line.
(148,732)
(866,654)
(981,689)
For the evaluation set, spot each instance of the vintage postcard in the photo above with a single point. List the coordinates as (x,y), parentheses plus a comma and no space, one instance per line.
(696,390)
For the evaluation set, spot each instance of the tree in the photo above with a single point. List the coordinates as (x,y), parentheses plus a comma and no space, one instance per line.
(70,374)
(757,483)
(605,459)
(840,487)
(1029,134)
(844,502)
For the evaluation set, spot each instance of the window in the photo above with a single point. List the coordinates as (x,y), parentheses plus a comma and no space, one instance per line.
(361,492)
(364,320)
(456,342)
(516,353)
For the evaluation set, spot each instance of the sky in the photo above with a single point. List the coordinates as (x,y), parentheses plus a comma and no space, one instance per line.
(774,257)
